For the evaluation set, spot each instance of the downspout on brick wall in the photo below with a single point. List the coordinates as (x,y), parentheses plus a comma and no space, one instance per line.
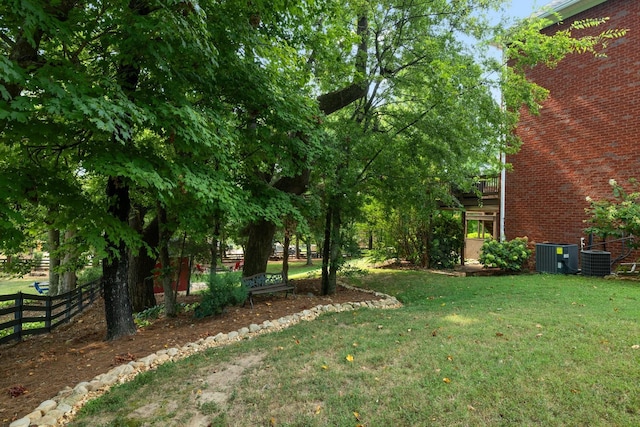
(503,178)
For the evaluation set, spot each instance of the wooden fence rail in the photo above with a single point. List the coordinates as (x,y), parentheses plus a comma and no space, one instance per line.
(39,314)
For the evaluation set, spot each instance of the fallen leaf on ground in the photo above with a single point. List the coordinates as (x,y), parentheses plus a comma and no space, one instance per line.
(17,390)
(124,358)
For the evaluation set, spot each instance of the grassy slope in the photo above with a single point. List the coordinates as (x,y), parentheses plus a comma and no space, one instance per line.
(522,350)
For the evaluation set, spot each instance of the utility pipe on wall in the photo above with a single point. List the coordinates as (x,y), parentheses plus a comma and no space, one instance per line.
(503,178)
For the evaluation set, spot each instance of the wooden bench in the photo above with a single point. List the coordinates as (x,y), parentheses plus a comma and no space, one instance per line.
(266,283)
(41,287)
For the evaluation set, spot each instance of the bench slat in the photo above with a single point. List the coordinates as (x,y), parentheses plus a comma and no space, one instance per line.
(270,289)
(265,283)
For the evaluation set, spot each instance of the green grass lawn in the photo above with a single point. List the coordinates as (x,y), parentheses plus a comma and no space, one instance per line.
(512,350)
(15,285)
(298,269)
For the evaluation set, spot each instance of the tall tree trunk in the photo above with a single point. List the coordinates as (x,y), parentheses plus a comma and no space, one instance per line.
(141,265)
(133,283)
(69,280)
(118,310)
(214,246)
(54,262)
(309,258)
(335,252)
(140,280)
(331,250)
(326,252)
(127,75)
(181,257)
(285,253)
(425,257)
(213,250)
(260,233)
(259,247)
(117,306)
(165,260)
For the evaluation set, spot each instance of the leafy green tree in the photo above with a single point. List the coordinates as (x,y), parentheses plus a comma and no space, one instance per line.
(81,85)
(617,217)
(428,119)
(424,118)
(161,99)
(317,37)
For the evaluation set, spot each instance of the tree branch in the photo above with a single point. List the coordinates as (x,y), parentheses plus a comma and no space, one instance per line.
(336,100)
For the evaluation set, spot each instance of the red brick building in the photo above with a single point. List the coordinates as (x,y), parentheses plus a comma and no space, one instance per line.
(587,133)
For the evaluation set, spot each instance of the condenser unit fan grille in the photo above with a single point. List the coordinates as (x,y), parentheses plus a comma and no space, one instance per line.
(596,263)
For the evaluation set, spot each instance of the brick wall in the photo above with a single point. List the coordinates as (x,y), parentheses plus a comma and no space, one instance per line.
(588,132)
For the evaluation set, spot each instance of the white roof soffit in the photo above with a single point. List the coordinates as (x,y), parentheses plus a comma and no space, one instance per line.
(566,8)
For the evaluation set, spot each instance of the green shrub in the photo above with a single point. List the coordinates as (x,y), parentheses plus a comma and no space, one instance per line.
(381,253)
(616,217)
(223,290)
(508,256)
(144,318)
(348,270)
(445,242)
(89,274)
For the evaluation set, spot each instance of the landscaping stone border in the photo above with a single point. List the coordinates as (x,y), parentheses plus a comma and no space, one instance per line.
(62,408)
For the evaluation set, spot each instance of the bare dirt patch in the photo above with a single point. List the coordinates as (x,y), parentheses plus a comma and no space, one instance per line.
(43,365)
(206,392)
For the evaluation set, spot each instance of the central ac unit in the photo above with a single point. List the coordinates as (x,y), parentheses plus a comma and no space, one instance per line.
(596,263)
(556,258)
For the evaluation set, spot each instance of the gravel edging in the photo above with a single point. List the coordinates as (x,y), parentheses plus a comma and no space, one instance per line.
(62,408)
